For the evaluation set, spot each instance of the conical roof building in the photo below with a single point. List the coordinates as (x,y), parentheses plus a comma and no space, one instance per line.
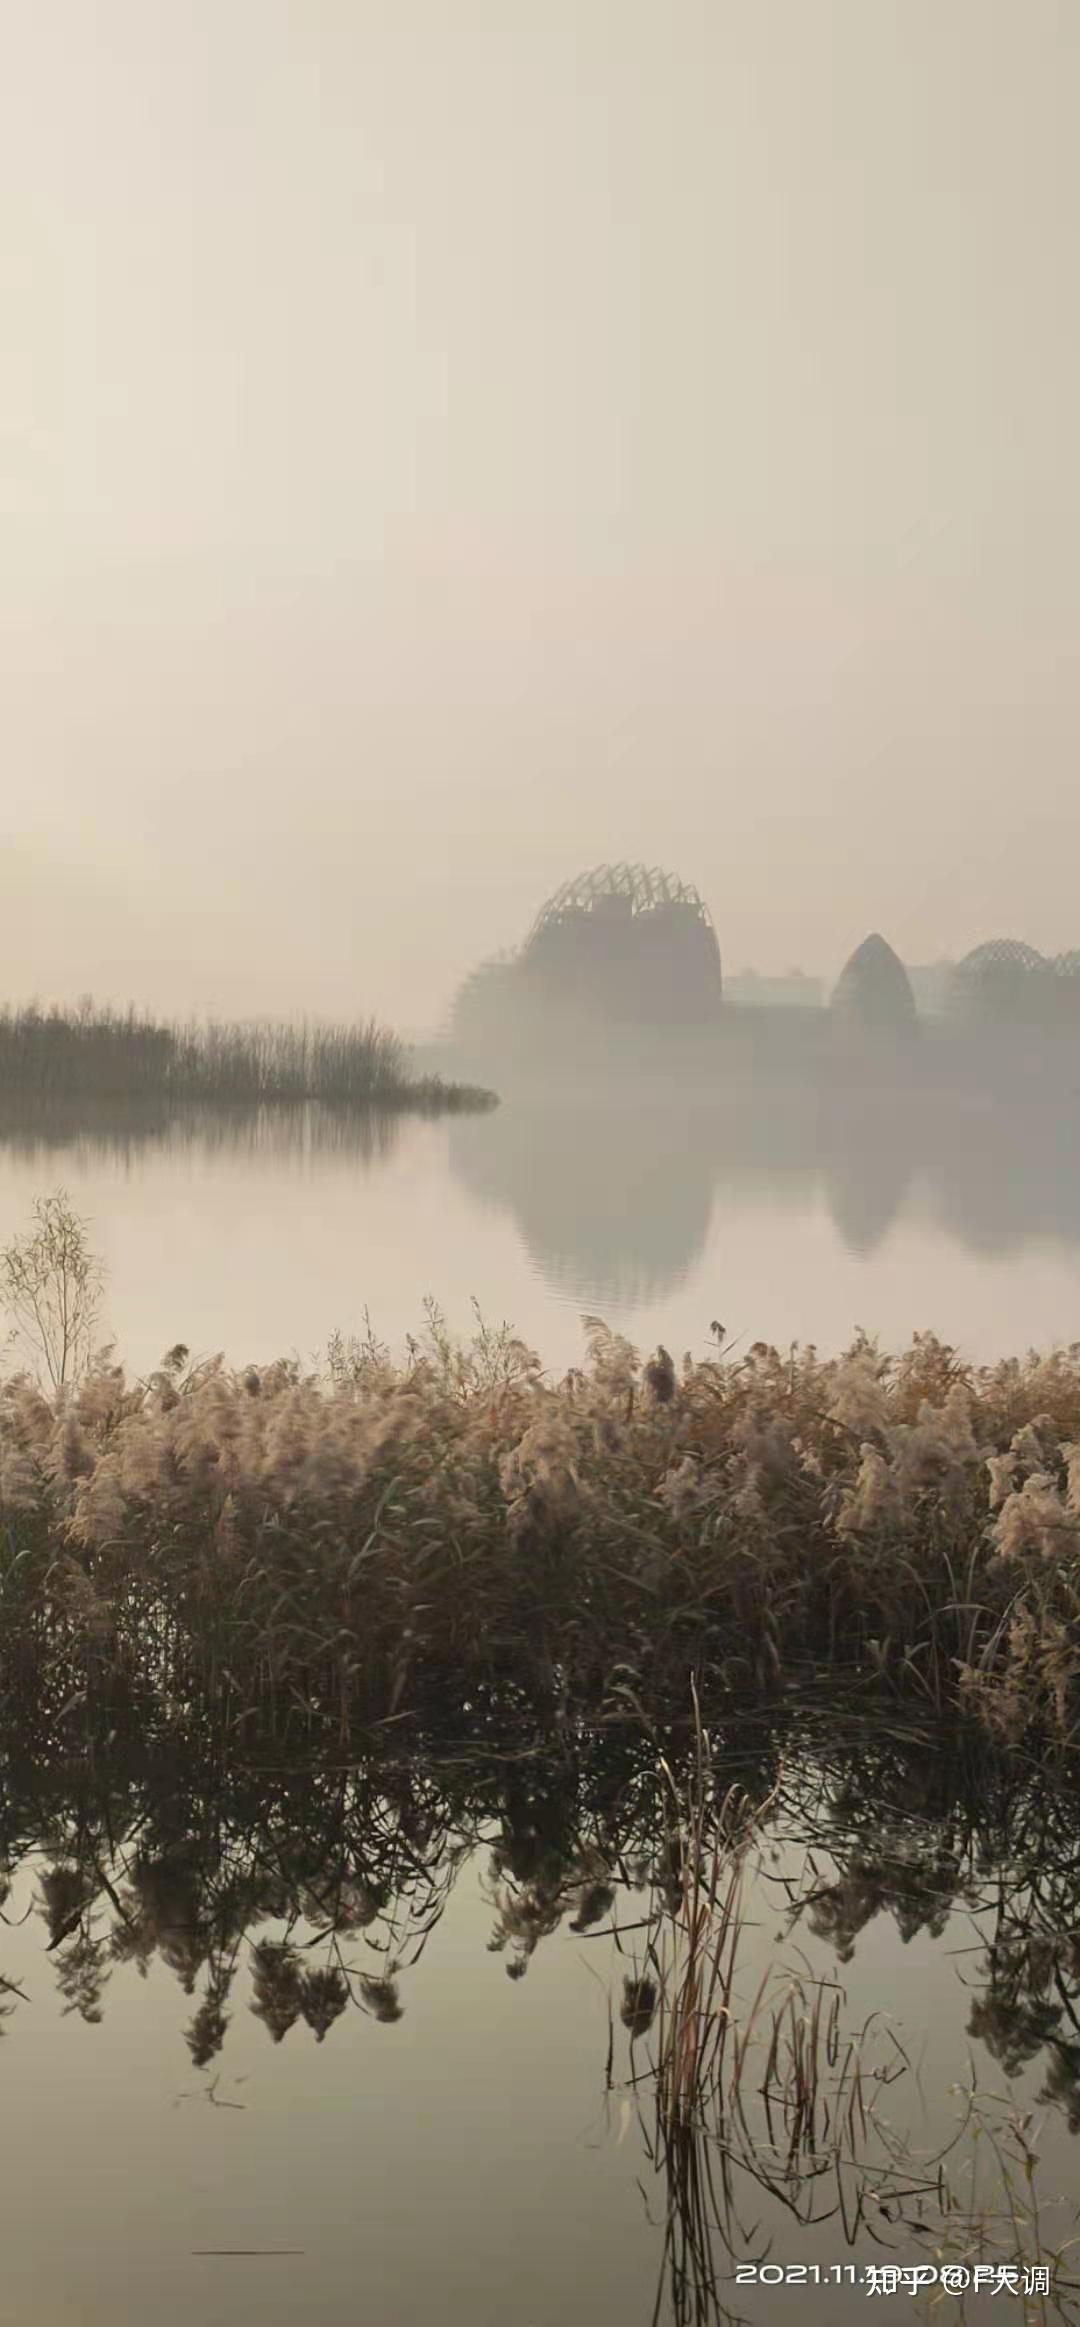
(873,989)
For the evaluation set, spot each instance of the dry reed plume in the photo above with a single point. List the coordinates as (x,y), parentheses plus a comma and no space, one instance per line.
(312,1554)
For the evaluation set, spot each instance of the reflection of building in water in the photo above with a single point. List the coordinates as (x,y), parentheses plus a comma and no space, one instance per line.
(872,991)
(871,1158)
(1004,1176)
(612,1203)
(620,1190)
(615,1200)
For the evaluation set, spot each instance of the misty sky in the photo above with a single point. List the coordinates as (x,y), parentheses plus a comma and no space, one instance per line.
(444,443)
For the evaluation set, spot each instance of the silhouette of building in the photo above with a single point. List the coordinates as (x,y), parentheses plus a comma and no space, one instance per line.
(620,974)
(873,990)
(1066,969)
(483,1000)
(619,945)
(629,941)
(1003,982)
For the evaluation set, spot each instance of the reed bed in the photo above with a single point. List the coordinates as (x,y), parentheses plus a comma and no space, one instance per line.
(457,1541)
(97,1054)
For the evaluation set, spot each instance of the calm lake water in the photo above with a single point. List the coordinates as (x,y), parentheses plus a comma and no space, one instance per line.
(453,2144)
(464,2147)
(784,1216)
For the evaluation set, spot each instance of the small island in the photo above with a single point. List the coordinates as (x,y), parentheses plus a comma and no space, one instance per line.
(93,1054)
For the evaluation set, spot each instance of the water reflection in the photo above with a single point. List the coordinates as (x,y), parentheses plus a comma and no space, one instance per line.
(255,1228)
(185,1860)
(616,1200)
(126,1131)
(301,1901)
(615,1194)
(872,1156)
(614,1197)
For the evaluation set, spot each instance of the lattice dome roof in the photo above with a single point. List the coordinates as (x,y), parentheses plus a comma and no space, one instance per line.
(1067,965)
(645,887)
(1000,953)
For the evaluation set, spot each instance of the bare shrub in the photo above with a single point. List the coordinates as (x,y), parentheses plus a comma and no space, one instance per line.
(50,1285)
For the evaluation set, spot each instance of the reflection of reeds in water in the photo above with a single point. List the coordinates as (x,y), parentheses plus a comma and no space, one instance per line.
(126,1132)
(782,2102)
(765,2116)
(692,1949)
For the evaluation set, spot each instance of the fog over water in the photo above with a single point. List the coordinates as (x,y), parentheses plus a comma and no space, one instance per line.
(457,454)
(781,1214)
(440,448)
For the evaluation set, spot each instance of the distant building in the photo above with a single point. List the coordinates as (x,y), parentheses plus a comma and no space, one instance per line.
(930,983)
(622,966)
(873,991)
(792,991)
(1007,983)
(1001,982)
(621,945)
(626,942)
